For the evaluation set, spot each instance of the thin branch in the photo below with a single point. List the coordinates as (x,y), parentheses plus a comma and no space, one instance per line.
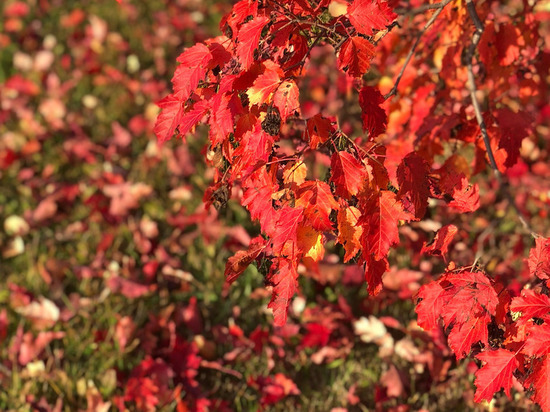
(469,57)
(419,10)
(388,31)
(472,84)
(439,9)
(339,44)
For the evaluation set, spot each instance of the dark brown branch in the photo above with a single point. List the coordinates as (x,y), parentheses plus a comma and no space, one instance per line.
(469,57)
(439,8)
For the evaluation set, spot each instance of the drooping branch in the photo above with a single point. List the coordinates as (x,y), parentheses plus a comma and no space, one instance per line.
(438,7)
(468,60)
(472,84)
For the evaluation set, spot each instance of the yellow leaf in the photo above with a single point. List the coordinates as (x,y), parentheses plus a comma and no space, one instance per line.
(295,173)
(310,242)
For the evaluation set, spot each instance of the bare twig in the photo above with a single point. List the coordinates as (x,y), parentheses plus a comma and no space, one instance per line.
(339,44)
(378,38)
(472,84)
(469,57)
(439,8)
(418,10)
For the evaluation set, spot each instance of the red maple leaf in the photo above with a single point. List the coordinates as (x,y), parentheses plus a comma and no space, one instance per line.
(514,127)
(248,39)
(465,301)
(369,15)
(287,99)
(169,118)
(539,381)
(221,120)
(284,238)
(440,244)
(318,203)
(318,130)
(259,188)
(539,259)
(469,295)
(465,197)
(501,44)
(254,145)
(348,174)
(374,117)
(380,221)
(464,335)
(193,66)
(355,56)
(220,55)
(221,124)
(531,305)
(496,373)
(265,84)
(283,278)
(412,175)
(241,10)
(258,201)
(430,305)
(191,117)
(374,270)
(242,259)
(538,340)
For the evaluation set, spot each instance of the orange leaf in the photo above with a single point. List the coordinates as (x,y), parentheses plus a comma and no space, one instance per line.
(310,242)
(349,234)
